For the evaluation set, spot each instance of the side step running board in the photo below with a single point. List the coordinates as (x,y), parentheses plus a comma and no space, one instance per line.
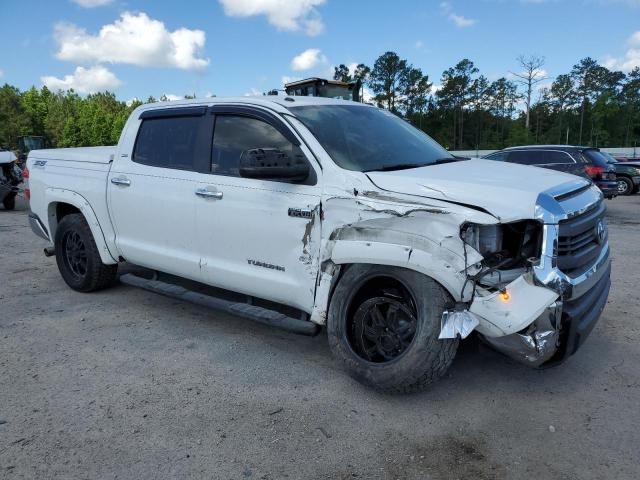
(252,312)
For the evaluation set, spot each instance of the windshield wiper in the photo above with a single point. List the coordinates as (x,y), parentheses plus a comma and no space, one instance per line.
(440,161)
(397,166)
(406,166)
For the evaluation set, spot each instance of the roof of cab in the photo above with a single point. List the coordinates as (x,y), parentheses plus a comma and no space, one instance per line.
(279,103)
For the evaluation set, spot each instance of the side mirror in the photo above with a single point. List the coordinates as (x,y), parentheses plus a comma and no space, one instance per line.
(272,164)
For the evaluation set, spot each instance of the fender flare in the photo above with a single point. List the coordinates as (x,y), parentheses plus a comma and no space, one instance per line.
(60,195)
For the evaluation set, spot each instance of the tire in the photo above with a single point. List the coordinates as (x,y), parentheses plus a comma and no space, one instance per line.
(415,366)
(9,202)
(625,186)
(78,258)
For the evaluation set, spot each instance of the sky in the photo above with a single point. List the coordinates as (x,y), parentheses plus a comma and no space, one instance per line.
(138,48)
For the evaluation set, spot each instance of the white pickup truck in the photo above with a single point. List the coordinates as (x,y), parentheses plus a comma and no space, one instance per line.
(319,212)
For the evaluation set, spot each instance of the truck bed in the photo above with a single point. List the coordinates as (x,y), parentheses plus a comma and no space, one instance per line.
(84,154)
(72,175)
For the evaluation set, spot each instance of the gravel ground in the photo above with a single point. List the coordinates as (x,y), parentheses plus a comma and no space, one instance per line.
(127,384)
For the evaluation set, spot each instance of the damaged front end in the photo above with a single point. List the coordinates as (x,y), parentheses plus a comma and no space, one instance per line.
(526,301)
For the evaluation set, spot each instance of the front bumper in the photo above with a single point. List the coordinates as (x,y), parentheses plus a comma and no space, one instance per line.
(564,324)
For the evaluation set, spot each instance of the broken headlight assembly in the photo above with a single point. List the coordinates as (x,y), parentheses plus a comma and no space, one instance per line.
(509,249)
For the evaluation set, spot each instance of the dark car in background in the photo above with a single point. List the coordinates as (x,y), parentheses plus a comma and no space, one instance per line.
(585,162)
(627,174)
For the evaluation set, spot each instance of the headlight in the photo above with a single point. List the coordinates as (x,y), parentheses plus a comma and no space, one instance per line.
(517,242)
(486,239)
(638,171)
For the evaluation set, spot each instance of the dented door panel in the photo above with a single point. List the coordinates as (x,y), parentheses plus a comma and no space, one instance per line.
(272,251)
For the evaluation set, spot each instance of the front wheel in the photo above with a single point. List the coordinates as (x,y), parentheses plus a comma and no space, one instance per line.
(625,186)
(78,258)
(383,325)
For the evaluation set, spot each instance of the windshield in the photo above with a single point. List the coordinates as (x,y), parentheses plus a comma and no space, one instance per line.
(363,138)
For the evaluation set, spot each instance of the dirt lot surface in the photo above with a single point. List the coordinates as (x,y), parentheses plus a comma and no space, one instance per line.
(127,384)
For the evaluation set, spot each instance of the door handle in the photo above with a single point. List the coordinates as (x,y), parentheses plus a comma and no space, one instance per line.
(121,181)
(203,192)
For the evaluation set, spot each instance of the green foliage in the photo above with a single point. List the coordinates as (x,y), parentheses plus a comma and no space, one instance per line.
(589,105)
(65,119)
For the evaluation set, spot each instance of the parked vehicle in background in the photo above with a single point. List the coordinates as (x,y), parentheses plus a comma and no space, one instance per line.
(26,143)
(321,87)
(626,158)
(10,178)
(327,212)
(627,174)
(585,162)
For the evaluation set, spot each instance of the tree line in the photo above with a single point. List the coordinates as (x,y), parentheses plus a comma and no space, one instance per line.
(65,119)
(590,104)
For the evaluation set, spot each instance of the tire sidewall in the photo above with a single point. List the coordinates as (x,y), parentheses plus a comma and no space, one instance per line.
(629,185)
(75,223)
(412,362)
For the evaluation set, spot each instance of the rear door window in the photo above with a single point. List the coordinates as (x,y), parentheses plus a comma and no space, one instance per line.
(552,157)
(523,157)
(173,142)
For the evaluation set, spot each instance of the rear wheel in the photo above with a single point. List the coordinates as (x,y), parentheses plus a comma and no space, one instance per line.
(384,324)
(9,202)
(78,258)
(625,186)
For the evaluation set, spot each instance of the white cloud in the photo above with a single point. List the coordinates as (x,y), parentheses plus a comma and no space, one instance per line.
(170,97)
(92,3)
(288,15)
(631,58)
(84,80)
(134,39)
(308,59)
(1,73)
(461,21)
(253,92)
(419,44)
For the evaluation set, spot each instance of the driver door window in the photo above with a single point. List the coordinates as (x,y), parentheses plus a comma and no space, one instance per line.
(233,134)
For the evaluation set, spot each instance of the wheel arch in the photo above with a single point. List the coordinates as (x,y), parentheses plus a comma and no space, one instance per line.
(443,267)
(61,203)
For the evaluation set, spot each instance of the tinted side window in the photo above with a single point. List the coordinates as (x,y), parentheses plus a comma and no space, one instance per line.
(522,157)
(234,134)
(546,157)
(595,157)
(497,156)
(170,142)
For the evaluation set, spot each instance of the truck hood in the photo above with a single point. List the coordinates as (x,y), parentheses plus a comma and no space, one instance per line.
(505,190)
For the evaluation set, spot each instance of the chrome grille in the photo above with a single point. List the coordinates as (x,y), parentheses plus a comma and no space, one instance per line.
(579,243)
